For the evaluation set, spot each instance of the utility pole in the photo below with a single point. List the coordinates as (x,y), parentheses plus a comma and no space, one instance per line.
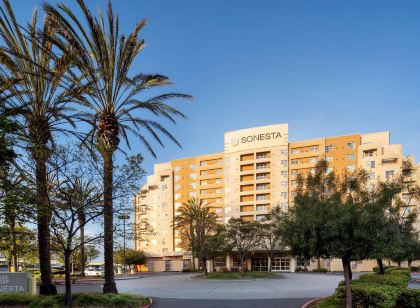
(124,217)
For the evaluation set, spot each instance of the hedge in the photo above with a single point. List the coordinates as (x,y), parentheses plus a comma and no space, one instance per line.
(320,270)
(79,300)
(370,295)
(409,298)
(396,280)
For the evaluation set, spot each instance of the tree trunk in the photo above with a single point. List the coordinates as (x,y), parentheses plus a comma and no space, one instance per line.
(82,222)
(43,220)
(399,264)
(347,282)
(193,260)
(319,263)
(109,285)
(269,264)
(67,278)
(381,266)
(242,267)
(204,267)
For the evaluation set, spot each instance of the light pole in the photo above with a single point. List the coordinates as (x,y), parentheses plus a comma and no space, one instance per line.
(124,217)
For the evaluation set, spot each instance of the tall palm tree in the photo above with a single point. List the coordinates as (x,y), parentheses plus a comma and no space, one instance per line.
(39,102)
(113,107)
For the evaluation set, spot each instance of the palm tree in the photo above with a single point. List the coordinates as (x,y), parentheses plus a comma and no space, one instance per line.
(195,221)
(113,106)
(39,102)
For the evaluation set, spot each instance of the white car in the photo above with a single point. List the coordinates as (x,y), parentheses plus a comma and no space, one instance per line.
(94,271)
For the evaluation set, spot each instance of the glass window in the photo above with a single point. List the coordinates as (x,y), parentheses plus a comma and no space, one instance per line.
(371,164)
(389,174)
(371,176)
(295,161)
(329,158)
(283,151)
(295,151)
(281,264)
(177,186)
(203,163)
(177,177)
(351,145)
(263,155)
(262,165)
(284,162)
(192,176)
(368,153)
(351,168)
(164,186)
(261,217)
(328,148)
(351,156)
(262,207)
(220,261)
(313,159)
(177,168)
(259,264)
(262,186)
(314,149)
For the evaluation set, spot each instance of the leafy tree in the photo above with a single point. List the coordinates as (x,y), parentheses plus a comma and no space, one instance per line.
(132,257)
(90,254)
(17,243)
(38,101)
(271,239)
(113,106)
(213,245)
(242,238)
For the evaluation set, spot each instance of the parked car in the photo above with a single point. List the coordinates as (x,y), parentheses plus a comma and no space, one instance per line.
(94,271)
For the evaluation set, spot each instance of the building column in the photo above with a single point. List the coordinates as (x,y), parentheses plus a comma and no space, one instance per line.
(209,266)
(293,264)
(269,263)
(228,261)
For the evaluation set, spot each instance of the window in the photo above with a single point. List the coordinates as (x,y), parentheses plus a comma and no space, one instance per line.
(192,167)
(177,196)
(177,168)
(218,181)
(284,162)
(283,151)
(204,172)
(192,176)
(203,163)
(295,151)
(167,262)
(328,148)
(237,262)
(283,173)
(295,172)
(329,158)
(295,161)
(164,205)
(261,217)
(262,176)
(219,161)
(351,145)
(262,166)
(262,186)
(283,183)
(203,183)
(262,207)
(389,174)
(203,192)
(313,159)
(281,264)
(193,185)
(163,242)
(220,261)
(368,153)
(165,196)
(192,194)
(300,262)
(164,186)
(177,186)
(218,171)
(329,170)
(218,191)
(371,164)
(283,194)
(351,156)
(314,149)
(371,176)
(350,168)
(294,184)
(263,155)
(259,265)
(262,197)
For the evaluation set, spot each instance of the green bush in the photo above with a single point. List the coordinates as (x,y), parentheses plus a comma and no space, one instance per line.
(409,298)
(320,270)
(13,299)
(415,268)
(403,271)
(301,269)
(79,300)
(399,281)
(372,295)
(386,268)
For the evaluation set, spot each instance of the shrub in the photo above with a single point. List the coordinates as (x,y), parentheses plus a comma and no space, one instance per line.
(223,270)
(301,269)
(45,302)
(403,271)
(13,299)
(409,298)
(399,281)
(320,270)
(369,295)
(386,268)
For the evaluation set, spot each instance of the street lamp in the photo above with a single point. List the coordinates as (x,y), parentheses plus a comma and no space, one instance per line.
(124,217)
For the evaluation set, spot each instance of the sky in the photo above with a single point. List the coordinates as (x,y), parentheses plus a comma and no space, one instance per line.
(325,67)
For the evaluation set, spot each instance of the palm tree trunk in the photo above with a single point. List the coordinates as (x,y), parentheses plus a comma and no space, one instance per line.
(109,285)
(43,220)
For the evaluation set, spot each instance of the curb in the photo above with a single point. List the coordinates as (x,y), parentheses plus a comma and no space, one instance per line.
(312,301)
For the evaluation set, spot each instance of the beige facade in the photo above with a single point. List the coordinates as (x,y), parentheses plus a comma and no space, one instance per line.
(256,171)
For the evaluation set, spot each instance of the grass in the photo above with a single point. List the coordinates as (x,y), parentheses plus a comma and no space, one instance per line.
(79,300)
(237,275)
(328,302)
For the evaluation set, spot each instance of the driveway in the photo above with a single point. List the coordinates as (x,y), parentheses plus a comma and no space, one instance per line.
(291,286)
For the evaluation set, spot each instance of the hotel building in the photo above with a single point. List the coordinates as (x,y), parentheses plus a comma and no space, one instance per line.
(256,171)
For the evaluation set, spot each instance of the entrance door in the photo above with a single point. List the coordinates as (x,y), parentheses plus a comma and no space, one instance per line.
(167,265)
(259,264)
(281,264)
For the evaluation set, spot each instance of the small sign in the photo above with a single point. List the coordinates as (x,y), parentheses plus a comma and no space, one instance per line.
(16,283)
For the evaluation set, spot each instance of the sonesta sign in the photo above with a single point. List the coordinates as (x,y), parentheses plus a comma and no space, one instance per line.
(256,137)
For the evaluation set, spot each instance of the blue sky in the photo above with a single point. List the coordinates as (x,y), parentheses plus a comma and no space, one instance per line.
(325,67)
